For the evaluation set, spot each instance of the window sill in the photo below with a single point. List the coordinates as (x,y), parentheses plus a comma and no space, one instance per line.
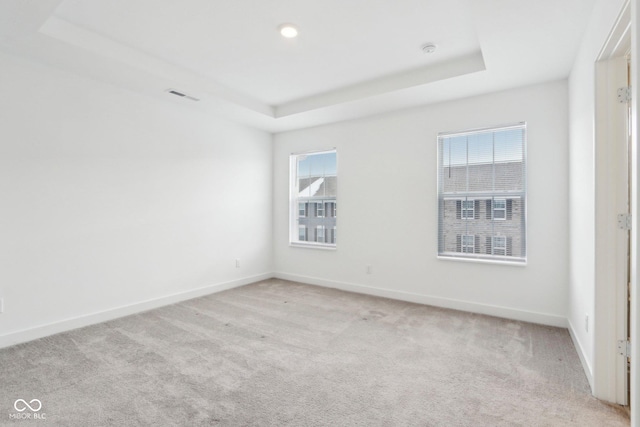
(484,261)
(311,245)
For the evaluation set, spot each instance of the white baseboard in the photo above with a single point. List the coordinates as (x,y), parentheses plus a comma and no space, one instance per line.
(491,310)
(36,332)
(581,354)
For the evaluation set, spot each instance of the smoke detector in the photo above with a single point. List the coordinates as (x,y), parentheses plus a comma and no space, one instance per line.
(429,48)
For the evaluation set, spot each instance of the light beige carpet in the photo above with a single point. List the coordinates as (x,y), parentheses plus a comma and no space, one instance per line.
(279,353)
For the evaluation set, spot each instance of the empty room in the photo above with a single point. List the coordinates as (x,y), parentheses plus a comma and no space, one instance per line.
(319,213)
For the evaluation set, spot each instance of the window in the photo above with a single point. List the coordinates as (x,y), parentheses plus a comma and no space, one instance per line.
(314,182)
(302,233)
(499,209)
(468,209)
(468,244)
(499,245)
(482,177)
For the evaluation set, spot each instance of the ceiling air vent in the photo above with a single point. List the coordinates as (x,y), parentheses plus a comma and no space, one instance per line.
(182,95)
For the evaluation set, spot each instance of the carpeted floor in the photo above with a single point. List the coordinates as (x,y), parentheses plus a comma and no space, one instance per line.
(278,353)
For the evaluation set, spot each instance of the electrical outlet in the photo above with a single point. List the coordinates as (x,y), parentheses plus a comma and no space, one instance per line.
(237,263)
(369,269)
(586,322)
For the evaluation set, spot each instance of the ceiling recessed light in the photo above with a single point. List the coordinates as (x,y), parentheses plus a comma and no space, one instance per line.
(288,30)
(429,48)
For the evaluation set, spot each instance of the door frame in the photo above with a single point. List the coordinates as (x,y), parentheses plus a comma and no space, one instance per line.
(635,211)
(610,381)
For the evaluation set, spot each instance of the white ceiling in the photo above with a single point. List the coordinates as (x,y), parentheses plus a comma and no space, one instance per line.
(352,58)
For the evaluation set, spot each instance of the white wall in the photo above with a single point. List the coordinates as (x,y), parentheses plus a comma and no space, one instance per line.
(582,179)
(387,208)
(113,202)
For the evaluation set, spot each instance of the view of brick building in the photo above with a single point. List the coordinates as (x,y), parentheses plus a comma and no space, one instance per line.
(478,220)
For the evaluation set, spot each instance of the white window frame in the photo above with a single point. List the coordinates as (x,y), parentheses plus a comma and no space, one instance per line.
(302,213)
(486,225)
(495,209)
(296,198)
(465,209)
(320,234)
(302,228)
(464,247)
(499,249)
